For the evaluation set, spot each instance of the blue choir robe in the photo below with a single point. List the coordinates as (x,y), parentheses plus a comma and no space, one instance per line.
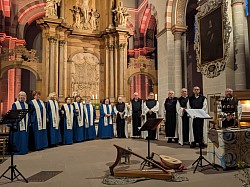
(105,126)
(89,118)
(20,133)
(78,126)
(67,123)
(38,132)
(54,134)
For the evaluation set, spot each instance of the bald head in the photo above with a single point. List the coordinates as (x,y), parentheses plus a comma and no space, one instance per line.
(136,95)
(229,93)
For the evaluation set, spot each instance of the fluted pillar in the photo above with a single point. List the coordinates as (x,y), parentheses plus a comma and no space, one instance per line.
(61,69)
(121,68)
(52,45)
(111,71)
(107,68)
(116,66)
(238,34)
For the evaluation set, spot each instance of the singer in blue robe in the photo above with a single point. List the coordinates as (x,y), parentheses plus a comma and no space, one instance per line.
(38,133)
(78,126)
(89,118)
(53,118)
(105,126)
(20,130)
(66,123)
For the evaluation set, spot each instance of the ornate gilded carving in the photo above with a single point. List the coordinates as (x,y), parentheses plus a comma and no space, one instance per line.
(85,17)
(213,68)
(85,74)
(142,62)
(19,54)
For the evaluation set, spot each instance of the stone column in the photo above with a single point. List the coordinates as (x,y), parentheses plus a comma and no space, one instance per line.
(107,70)
(61,69)
(111,72)
(62,11)
(52,45)
(177,31)
(121,68)
(116,66)
(239,45)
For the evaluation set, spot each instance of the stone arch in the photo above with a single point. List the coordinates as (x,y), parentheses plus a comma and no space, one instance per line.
(130,26)
(27,15)
(152,77)
(179,12)
(151,10)
(6,68)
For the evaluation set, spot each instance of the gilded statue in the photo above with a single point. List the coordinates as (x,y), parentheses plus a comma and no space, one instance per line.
(51,8)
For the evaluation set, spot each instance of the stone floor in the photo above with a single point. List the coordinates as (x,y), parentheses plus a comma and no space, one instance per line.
(86,163)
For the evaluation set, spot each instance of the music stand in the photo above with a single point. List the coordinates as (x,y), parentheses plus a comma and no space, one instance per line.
(201,114)
(13,117)
(149,125)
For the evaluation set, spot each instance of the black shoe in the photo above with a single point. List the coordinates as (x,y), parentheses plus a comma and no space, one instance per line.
(175,140)
(170,140)
(192,145)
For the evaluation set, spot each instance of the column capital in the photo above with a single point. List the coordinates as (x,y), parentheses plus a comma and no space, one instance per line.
(52,39)
(122,45)
(111,47)
(237,2)
(62,42)
(178,28)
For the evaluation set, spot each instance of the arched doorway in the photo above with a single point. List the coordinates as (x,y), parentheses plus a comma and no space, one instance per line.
(142,84)
(12,82)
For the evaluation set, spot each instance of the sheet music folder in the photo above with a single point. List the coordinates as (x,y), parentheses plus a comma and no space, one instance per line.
(151,124)
(198,113)
(14,116)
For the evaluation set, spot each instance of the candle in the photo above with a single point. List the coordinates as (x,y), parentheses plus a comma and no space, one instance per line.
(156,97)
(96,96)
(93,97)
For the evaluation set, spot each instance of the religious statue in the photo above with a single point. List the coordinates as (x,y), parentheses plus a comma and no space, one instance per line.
(121,14)
(76,16)
(85,11)
(51,8)
(94,19)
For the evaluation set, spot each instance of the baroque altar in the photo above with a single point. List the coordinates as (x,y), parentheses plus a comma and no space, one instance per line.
(84,48)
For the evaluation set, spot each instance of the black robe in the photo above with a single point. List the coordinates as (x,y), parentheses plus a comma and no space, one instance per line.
(197,103)
(136,115)
(170,123)
(150,103)
(120,120)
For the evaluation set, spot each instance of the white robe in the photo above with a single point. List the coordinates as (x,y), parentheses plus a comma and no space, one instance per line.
(180,112)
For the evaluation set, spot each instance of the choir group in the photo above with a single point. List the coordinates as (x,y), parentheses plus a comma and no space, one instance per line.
(47,125)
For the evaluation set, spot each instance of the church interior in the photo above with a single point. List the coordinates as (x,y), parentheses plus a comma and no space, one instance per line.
(101,49)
